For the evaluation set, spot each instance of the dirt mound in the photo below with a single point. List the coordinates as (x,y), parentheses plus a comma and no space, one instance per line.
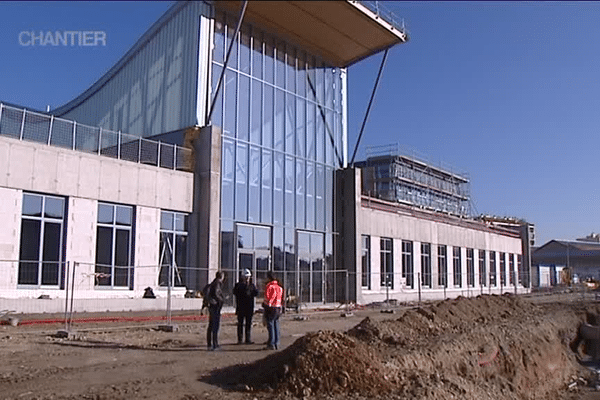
(415,326)
(322,362)
(489,347)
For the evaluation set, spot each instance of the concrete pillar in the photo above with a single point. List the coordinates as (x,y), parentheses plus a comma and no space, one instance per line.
(205,218)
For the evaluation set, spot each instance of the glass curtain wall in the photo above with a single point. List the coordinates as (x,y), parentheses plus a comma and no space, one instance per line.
(280,111)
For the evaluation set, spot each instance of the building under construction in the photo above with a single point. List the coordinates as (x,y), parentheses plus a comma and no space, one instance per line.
(389,175)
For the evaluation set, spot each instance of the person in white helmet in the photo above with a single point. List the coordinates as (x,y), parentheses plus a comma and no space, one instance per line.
(244,292)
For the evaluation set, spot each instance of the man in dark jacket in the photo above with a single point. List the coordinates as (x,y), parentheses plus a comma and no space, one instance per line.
(244,292)
(215,301)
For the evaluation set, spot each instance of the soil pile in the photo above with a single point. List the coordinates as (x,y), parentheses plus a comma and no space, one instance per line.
(488,347)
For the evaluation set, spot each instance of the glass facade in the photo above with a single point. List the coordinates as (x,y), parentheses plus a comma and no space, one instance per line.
(280,110)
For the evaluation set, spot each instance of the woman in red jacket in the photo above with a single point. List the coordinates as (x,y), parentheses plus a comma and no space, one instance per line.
(273,306)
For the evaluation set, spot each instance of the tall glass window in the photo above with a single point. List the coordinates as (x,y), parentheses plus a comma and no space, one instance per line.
(503,269)
(366,261)
(407,263)
(511,268)
(426,264)
(470,268)
(456,261)
(173,249)
(442,266)
(482,268)
(492,268)
(387,263)
(114,246)
(42,236)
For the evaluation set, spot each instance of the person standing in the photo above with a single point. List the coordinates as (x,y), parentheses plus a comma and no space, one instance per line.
(215,300)
(273,307)
(244,292)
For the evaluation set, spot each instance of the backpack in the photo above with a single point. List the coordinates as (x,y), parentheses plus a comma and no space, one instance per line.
(205,295)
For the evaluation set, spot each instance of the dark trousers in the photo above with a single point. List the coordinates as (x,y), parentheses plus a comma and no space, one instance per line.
(244,323)
(214,321)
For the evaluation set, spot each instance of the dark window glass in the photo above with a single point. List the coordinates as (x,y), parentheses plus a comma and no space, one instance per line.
(426,264)
(51,255)
(386,263)
(366,261)
(407,263)
(457,267)
(29,252)
(442,266)
(482,268)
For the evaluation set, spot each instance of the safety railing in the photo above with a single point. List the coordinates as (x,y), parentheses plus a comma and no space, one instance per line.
(54,131)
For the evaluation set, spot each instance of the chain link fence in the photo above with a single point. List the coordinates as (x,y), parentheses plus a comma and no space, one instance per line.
(54,131)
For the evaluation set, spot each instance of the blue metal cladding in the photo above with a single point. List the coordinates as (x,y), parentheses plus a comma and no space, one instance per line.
(153,88)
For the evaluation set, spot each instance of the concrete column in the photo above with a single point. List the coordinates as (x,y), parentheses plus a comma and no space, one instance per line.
(147,249)
(205,218)
(10,235)
(81,240)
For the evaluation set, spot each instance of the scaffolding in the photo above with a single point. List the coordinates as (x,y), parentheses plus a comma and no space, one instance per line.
(390,175)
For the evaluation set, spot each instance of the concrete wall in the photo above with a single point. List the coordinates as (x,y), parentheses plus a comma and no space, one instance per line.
(401,224)
(84,179)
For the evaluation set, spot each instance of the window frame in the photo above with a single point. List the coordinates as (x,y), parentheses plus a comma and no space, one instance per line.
(60,250)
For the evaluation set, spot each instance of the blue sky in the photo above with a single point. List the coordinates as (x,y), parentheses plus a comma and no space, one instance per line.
(508,92)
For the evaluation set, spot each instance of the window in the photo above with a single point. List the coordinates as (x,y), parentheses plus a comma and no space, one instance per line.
(503,269)
(442,266)
(511,268)
(456,262)
(492,268)
(482,268)
(426,264)
(521,273)
(407,263)
(114,245)
(470,268)
(387,263)
(173,249)
(366,261)
(41,253)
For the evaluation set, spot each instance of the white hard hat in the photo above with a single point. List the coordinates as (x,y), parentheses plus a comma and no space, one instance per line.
(247,273)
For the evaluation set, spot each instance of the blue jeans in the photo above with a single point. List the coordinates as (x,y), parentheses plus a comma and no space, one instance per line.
(272,315)
(214,321)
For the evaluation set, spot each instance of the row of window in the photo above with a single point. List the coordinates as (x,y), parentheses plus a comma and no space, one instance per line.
(43,250)
(427,267)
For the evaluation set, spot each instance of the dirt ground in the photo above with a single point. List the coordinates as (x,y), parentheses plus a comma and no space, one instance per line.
(488,347)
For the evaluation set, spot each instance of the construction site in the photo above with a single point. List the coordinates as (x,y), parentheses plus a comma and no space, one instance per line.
(485,347)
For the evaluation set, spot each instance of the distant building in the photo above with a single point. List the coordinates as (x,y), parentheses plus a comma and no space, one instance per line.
(581,257)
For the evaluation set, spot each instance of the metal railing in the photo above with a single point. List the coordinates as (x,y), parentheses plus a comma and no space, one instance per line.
(382,11)
(27,125)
